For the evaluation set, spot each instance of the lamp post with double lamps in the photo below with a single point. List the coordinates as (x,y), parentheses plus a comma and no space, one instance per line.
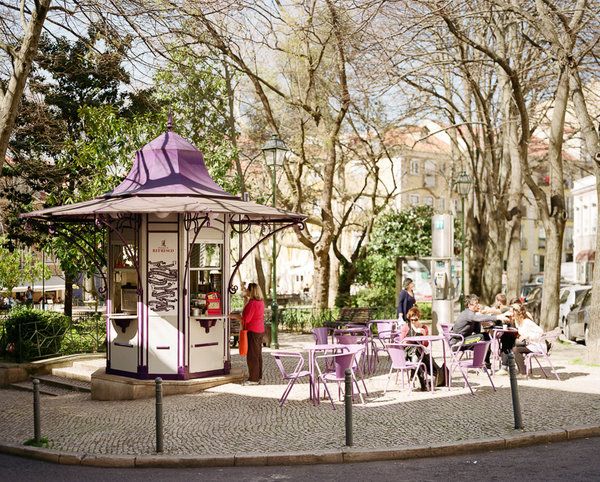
(462,185)
(275,152)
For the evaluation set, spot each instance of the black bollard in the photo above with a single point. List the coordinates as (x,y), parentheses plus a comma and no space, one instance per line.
(37,424)
(348,406)
(514,389)
(159,416)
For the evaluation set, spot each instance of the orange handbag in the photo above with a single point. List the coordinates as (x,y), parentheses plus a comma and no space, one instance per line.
(243,342)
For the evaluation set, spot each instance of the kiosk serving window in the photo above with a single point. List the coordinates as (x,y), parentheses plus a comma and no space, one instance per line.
(123,251)
(206,274)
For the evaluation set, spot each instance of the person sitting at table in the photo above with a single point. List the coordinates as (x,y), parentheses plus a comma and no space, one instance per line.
(469,323)
(507,340)
(414,327)
(529,334)
(499,306)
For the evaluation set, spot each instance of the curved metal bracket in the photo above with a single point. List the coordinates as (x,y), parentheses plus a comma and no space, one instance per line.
(233,289)
(90,251)
(120,222)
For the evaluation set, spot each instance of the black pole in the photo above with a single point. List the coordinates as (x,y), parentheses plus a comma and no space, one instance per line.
(37,425)
(348,406)
(514,389)
(159,416)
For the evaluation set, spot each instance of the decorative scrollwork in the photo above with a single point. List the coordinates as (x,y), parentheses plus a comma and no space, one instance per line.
(274,231)
(239,222)
(233,289)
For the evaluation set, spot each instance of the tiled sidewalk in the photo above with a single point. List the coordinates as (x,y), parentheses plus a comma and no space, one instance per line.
(236,419)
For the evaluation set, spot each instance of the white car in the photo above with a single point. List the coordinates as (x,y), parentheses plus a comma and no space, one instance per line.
(567,298)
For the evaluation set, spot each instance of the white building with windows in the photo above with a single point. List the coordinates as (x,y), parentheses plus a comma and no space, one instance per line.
(585,222)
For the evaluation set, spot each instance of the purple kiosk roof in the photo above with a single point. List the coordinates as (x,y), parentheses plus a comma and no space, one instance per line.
(168,175)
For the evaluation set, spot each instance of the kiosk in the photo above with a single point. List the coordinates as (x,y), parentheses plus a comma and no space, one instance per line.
(169,272)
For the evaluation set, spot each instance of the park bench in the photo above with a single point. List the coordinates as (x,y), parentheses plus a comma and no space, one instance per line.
(358,316)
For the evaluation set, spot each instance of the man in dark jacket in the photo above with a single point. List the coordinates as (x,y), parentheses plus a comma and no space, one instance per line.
(470,321)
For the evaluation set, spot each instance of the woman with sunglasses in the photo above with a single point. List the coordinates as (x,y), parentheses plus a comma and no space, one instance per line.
(414,327)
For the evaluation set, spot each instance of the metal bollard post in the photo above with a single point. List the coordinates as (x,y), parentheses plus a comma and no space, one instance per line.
(348,405)
(37,425)
(514,389)
(159,415)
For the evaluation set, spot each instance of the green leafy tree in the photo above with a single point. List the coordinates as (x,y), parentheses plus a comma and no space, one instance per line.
(18,267)
(395,234)
(194,89)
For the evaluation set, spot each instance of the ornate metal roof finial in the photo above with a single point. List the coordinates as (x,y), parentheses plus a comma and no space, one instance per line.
(170,121)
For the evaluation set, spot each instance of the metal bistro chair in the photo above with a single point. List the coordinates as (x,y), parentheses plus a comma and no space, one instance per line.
(360,355)
(476,363)
(321,335)
(291,375)
(540,349)
(402,365)
(385,334)
(341,362)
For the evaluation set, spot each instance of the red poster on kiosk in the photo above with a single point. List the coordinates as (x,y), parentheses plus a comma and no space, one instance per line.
(213,303)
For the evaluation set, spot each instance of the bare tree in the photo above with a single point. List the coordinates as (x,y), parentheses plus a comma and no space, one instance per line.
(21,52)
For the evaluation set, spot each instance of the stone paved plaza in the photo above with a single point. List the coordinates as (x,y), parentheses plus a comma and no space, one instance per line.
(233,419)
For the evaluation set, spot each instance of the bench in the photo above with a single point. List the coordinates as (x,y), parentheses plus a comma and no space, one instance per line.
(359,316)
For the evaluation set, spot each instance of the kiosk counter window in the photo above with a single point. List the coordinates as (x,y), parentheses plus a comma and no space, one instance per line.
(206,274)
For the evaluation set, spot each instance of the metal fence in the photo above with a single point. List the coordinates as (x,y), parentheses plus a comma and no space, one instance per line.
(305,318)
(36,340)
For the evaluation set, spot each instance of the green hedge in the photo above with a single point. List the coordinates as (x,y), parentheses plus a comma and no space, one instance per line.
(31,334)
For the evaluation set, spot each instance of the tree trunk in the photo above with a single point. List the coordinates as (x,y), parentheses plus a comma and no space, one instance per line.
(515,198)
(22,61)
(592,143)
(550,305)
(321,279)
(69,280)
(554,221)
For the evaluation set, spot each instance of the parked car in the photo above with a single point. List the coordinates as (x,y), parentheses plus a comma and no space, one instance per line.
(568,294)
(533,302)
(577,323)
(528,288)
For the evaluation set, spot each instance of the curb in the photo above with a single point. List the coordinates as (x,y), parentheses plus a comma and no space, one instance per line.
(343,455)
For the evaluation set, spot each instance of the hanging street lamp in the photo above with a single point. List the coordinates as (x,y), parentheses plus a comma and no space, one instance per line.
(462,186)
(275,152)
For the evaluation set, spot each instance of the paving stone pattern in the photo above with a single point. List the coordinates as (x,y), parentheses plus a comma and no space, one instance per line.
(236,419)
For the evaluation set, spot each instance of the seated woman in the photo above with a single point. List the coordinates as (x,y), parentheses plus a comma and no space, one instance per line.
(529,334)
(414,327)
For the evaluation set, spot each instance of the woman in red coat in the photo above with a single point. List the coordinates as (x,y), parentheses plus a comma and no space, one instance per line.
(253,320)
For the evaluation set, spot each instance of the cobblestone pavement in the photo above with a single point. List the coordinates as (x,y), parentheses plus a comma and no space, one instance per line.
(234,419)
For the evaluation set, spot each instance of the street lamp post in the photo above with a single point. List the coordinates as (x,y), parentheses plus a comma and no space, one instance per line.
(274,151)
(462,185)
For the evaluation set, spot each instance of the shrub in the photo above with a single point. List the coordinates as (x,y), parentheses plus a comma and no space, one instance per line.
(425,309)
(87,335)
(32,334)
(377,296)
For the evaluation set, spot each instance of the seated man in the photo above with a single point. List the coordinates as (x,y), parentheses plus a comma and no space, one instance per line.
(470,321)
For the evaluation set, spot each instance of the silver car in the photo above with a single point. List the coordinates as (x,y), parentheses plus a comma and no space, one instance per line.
(568,294)
(577,323)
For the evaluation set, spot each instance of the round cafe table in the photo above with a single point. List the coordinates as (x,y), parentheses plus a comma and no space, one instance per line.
(420,340)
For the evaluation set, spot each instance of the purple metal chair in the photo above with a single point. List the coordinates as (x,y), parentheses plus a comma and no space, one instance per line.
(341,362)
(385,334)
(401,364)
(291,375)
(321,335)
(540,349)
(476,363)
